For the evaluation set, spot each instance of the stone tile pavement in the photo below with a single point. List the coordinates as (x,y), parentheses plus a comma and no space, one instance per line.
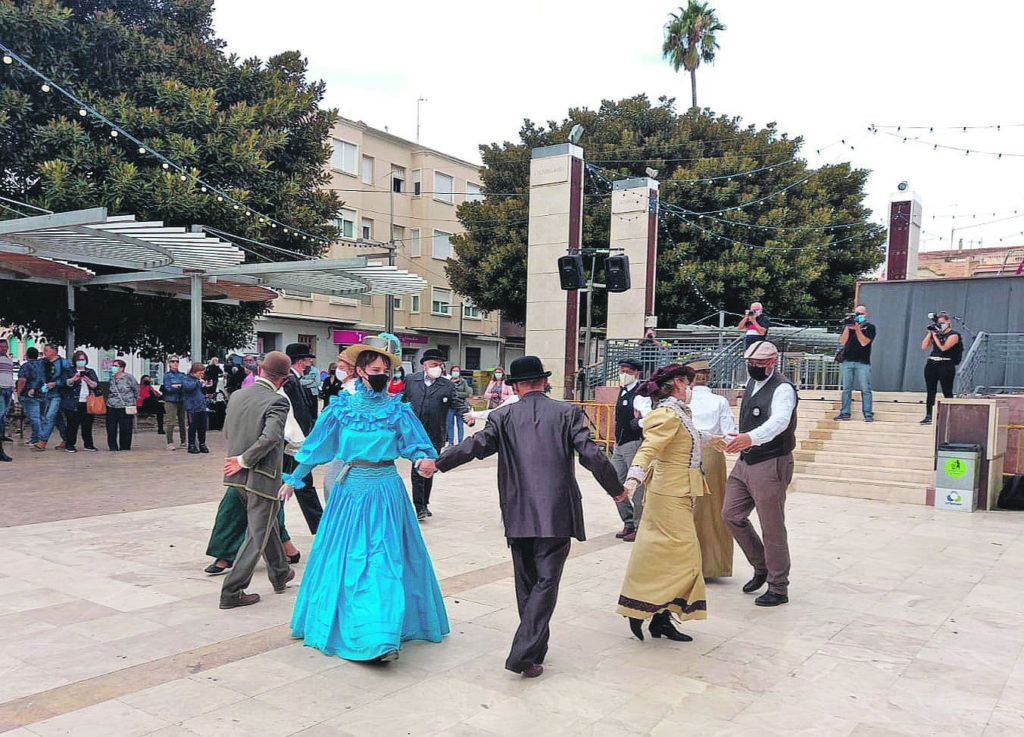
(902,621)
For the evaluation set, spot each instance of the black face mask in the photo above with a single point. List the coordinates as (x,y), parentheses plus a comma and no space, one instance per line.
(757,373)
(378,382)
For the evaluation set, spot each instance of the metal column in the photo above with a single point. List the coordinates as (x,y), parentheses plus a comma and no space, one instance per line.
(196,302)
(70,329)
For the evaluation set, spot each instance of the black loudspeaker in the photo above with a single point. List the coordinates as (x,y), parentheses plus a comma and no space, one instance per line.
(616,273)
(570,272)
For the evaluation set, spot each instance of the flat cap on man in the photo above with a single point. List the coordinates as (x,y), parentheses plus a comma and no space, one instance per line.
(700,365)
(761,350)
(631,363)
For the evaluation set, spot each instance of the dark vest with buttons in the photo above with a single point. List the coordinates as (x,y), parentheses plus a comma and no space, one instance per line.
(755,411)
(625,432)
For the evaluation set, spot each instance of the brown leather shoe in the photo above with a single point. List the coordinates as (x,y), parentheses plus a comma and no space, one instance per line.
(281,589)
(243,600)
(629,537)
(533,671)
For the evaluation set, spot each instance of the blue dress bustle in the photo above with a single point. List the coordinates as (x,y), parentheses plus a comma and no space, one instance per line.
(369,584)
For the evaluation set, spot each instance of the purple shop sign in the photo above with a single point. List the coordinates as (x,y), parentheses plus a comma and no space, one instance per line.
(350,337)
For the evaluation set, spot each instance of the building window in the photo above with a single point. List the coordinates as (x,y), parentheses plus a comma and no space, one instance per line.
(415,247)
(398,234)
(444,187)
(397,302)
(414,303)
(309,340)
(346,224)
(417,182)
(473,193)
(366,229)
(343,156)
(472,359)
(441,248)
(470,311)
(446,350)
(398,179)
(366,170)
(440,301)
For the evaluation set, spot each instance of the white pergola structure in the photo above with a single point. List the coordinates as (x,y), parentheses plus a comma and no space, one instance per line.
(152,258)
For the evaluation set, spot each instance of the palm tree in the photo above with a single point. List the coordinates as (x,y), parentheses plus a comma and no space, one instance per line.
(690,39)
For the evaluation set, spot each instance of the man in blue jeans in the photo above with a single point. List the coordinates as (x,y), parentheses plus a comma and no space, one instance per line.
(856,339)
(56,371)
(30,392)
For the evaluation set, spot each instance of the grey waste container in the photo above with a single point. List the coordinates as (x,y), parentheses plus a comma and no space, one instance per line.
(957,472)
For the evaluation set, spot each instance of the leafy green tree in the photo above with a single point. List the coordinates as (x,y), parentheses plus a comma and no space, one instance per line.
(253,129)
(690,39)
(794,261)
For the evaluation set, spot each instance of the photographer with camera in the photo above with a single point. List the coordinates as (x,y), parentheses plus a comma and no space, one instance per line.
(855,357)
(947,348)
(756,323)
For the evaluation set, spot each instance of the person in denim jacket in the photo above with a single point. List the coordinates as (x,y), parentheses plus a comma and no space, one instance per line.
(194,402)
(174,381)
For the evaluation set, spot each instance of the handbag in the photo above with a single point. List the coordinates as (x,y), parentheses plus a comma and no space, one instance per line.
(129,409)
(95,405)
(841,354)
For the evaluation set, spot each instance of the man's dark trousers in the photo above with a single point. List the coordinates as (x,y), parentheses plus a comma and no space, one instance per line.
(420,486)
(538,564)
(262,540)
(307,497)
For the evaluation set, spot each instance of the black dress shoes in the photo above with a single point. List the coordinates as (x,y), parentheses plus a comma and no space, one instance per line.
(636,627)
(771,599)
(661,626)
(293,559)
(755,583)
(215,570)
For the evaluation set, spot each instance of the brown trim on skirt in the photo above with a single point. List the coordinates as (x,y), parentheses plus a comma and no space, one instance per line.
(643,606)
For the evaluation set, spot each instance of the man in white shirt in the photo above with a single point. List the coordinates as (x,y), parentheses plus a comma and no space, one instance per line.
(763,472)
(630,409)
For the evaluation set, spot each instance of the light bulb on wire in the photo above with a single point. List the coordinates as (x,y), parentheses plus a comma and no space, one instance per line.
(8,59)
(45,88)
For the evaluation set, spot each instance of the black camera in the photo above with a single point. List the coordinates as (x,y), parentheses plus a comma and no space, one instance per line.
(750,313)
(850,319)
(934,326)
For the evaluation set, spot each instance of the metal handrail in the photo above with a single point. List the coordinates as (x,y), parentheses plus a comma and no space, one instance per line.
(964,382)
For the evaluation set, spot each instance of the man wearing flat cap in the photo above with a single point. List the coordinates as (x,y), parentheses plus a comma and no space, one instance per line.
(536,439)
(764,469)
(630,408)
(304,409)
(431,396)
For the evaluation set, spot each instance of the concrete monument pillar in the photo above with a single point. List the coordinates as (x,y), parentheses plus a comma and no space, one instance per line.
(556,227)
(634,232)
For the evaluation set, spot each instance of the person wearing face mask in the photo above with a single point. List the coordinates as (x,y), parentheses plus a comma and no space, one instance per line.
(122,402)
(397,382)
(431,396)
(332,383)
(762,473)
(630,408)
(856,343)
(498,390)
(455,419)
(369,584)
(947,349)
(73,403)
(755,323)
(304,406)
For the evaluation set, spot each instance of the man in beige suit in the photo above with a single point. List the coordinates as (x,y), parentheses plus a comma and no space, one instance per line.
(254,430)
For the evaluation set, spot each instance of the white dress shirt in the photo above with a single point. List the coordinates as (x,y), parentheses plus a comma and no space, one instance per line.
(712,413)
(783,405)
(640,404)
(482,414)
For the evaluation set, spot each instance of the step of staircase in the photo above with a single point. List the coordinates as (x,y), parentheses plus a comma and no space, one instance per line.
(865,472)
(879,459)
(888,491)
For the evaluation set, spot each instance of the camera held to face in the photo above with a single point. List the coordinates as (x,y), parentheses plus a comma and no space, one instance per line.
(850,319)
(935,326)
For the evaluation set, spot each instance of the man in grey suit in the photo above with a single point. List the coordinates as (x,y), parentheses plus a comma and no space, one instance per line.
(536,440)
(254,430)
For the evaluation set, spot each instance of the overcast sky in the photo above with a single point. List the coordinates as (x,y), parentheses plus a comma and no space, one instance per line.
(821,69)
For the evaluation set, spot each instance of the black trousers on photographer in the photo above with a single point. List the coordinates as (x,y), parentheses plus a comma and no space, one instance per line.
(938,371)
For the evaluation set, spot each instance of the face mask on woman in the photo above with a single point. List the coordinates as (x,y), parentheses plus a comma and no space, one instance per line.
(80,363)
(498,376)
(434,372)
(378,382)
(455,374)
(340,375)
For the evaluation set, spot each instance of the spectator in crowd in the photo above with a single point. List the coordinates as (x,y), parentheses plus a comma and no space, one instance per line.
(455,419)
(194,403)
(332,385)
(498,390)
(946,350)
(234,374)
(30,392)
(305,410)
(397,383)
(630,409)
(212,374)
(174,385)
(6,388)
(756,323)
(311,380)
(856,343)
(122,406)
(56,371)
(252,370)
(79,385)
(151,402)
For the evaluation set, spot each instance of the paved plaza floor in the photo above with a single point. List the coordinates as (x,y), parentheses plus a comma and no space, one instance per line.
(903,621)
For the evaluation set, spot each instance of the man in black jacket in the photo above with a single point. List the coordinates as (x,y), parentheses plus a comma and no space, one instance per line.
(537,439)
(304,409)
(431,396)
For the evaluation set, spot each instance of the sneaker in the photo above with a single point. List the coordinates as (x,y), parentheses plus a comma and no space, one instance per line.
(39,446)
(60,446)
(183,445)
(172,446)
(927,420)
(427,510)
(31,442)
(91,449)
(70,449)
(869,419)
(841,417)
(421,514)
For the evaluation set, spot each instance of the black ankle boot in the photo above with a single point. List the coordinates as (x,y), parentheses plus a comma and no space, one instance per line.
(927,419)
(636,627)
(4,458)
(661,626)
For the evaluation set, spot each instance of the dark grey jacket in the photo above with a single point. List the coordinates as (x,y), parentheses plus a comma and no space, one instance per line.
(537,440)
(254,430)
(431,404)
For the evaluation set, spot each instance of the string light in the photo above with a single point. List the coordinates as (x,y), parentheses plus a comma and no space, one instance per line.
(998,127)
(113,134)
(936,146)
(8,59)
(45,88)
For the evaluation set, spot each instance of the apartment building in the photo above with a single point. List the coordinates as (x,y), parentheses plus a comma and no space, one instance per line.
(393,190)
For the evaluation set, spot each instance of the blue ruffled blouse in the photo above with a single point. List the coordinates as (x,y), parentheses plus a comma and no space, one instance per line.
(364,426)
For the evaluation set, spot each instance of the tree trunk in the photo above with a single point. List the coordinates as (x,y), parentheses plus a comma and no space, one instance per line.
(693,86)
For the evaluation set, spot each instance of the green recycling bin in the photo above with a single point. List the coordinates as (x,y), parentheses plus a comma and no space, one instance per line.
(957,472)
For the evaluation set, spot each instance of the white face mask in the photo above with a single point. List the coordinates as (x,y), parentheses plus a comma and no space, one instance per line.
(626,379)
(340,374)
(434,373)
(689,394)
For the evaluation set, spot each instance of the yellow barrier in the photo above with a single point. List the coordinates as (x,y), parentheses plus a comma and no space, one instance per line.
(602,422)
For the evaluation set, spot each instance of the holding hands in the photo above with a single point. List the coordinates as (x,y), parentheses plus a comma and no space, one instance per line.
(426,467)
(738,443)
(285,492)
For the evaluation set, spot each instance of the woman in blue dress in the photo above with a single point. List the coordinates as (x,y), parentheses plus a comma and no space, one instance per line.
(369,584)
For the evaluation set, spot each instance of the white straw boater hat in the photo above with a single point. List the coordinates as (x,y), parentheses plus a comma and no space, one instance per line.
(385,344)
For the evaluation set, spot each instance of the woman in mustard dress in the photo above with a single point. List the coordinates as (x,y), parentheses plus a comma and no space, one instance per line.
(664,572)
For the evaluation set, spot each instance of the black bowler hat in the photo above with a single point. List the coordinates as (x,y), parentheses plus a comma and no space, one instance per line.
(631,363)
(526,368)
(298,351)
(432,354)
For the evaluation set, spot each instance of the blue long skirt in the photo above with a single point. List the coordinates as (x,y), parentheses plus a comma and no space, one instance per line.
(369,584)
